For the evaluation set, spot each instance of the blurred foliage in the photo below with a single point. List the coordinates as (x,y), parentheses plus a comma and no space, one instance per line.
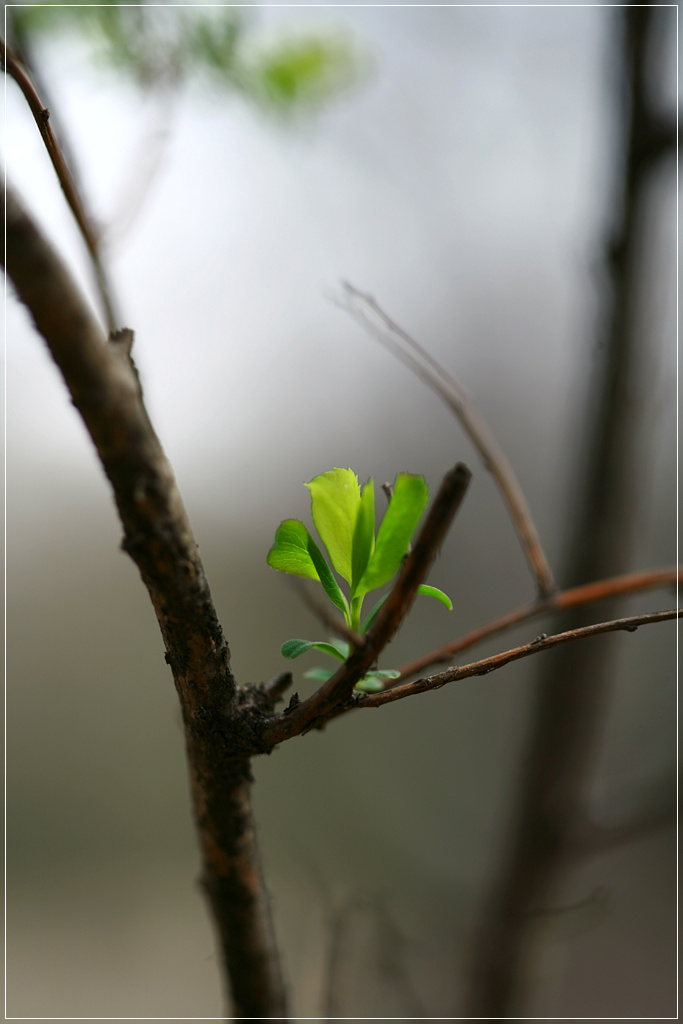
(168,45)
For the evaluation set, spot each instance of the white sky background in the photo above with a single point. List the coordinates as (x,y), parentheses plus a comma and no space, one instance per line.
(462,182)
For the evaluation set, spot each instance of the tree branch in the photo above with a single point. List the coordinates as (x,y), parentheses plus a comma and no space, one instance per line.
(336,692)
(106,392)
(575,597)
(571,690)
(496,661)
(658,812)
(105,389)
(276,687)
(42,118)
(365,309)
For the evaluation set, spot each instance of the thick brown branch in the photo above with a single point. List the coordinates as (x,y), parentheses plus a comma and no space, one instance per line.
(73,197)
(105,389)
(496,661)
(369,313)
(336,692)
(575,597)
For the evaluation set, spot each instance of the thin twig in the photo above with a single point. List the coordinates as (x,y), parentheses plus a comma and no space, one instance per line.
(73,197)
(496,661)
(336,692)
(589,593)
(365,309)
(592,839)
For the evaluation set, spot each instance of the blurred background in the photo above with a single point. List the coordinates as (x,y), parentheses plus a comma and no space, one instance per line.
(460,164)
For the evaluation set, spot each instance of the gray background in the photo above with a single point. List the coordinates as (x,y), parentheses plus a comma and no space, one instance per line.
(466,182)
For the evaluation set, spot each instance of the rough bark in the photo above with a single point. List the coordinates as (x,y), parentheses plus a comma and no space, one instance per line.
(219,718)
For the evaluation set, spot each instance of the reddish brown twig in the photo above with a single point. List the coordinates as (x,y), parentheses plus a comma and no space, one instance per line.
(42,118)
(496,661)
(335,693)
(573,598)
(364,308)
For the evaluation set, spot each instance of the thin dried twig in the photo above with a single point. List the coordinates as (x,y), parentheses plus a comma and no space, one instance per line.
(336,692)
(589,593)
(365,309)
(496,661)
(73,197)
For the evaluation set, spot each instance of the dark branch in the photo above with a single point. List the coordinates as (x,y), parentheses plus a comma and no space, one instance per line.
(572,690)
(105,390)
(157,535)
(276,687)
(336,692)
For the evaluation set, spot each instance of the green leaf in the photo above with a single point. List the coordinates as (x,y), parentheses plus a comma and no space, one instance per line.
(335,500)
(368,621)
(290,551)
(363,543)
(400,521)
(327,579)
(295,552)
(373,682)
(295,648)
(438,594)
(306,69)
(369,685)
(342,646)
(319,675)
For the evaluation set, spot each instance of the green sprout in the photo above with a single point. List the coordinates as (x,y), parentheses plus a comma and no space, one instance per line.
(344,516)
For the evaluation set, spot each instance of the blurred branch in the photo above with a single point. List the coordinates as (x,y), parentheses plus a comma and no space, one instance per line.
(571,691)
(660,812)
(72,195)
(496,661)
(392,956)
(589,593)
(367,312)
(276,687)
(104,387)
(336,692)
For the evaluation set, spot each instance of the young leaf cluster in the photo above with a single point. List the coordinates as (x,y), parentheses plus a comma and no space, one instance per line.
(344,516)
